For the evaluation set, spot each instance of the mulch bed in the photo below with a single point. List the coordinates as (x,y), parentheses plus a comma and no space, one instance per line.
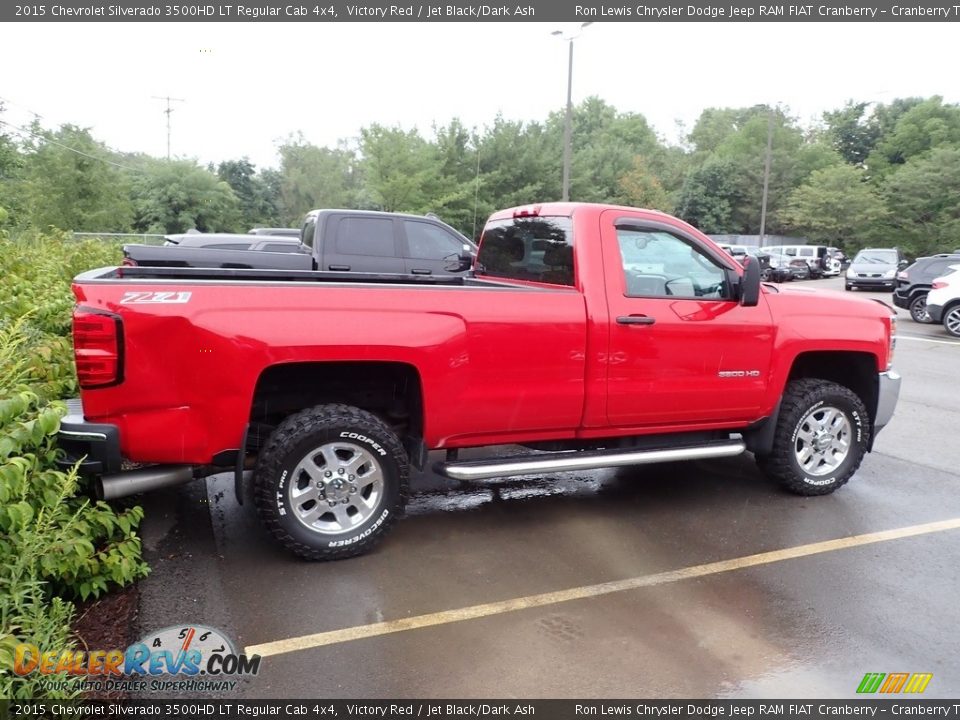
(108,623)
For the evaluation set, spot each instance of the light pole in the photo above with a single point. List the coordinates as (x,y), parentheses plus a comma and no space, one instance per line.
(568,119)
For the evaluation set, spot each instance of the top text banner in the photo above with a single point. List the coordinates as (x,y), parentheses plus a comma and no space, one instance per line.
(460,11)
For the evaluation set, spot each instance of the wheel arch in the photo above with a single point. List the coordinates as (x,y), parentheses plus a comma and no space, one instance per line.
(853,369)
(391,390)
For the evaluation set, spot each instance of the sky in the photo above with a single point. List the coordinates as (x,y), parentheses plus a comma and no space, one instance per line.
(248,86)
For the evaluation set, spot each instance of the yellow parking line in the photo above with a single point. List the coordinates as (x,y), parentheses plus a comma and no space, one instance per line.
(473,612)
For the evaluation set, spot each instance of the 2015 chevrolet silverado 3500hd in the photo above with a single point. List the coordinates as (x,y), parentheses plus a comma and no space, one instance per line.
(605,335)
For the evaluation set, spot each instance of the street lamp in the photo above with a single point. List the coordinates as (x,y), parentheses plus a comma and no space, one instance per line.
(568,120)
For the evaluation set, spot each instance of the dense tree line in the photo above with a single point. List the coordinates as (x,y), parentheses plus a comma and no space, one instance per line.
(867,173)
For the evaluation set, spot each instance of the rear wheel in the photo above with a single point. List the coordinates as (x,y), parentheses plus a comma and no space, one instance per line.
(951,320)
(331,481)
(821,437)
(918,310)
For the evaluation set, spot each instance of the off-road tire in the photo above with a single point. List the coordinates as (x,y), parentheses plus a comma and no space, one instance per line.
(801,398)
(292,442)
(918,310)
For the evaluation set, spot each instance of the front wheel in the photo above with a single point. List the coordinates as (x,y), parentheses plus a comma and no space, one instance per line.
(820,439)
(330,482)
(951,320)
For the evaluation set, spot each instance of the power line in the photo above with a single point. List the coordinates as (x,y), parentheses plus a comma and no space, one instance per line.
(167,112)
(67,147)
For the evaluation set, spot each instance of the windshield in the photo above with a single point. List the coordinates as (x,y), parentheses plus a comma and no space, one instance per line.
(881,257)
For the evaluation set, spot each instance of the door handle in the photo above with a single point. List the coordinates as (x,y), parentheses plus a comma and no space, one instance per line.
(339,268)
(635,320)
(421,271)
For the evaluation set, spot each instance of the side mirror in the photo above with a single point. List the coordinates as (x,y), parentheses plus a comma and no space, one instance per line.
(461,262)
(750,283)
(902,264)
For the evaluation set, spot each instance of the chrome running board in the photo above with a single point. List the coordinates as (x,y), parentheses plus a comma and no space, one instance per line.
(586,460)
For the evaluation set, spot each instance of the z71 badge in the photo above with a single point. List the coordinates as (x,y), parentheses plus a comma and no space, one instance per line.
(132,298)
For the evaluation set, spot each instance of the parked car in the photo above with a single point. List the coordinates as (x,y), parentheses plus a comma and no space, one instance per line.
(741,252)
(796,267)
(943,300)
(813,255)
(334,240)
(875,269)
(915,282)
(281,232)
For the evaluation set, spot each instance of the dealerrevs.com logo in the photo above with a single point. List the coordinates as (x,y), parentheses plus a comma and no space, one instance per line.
(180,657)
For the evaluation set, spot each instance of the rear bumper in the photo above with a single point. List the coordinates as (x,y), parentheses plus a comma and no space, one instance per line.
(935,312)
(900,300)
(889,393)
(96,446)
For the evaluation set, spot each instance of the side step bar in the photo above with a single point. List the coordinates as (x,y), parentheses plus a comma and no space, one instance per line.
(587,460)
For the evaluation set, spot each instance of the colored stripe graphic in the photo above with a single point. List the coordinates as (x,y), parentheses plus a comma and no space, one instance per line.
(894,683)
(870,682)
(918,682)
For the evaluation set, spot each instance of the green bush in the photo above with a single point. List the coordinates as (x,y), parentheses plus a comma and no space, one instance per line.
(56,545)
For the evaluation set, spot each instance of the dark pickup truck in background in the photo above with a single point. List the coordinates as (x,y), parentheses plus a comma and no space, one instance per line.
(335,240)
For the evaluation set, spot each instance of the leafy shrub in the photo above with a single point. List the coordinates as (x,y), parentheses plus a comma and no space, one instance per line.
(55,544)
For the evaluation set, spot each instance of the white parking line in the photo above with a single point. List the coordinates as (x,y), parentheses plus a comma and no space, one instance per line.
(445,617)
(926,339)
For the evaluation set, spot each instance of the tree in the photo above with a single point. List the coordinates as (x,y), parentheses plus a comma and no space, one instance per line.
(924,198)
(709,196)
(175,196)
(400,168)
(311,177)
(836,207)
(72,182)
(925,125)
(851,132)
(257,202)
(641,188)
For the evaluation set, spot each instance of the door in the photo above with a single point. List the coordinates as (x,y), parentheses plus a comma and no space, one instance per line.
(361,244)
(682,349)
(429,249)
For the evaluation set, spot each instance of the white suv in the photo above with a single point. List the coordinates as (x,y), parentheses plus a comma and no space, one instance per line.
(943,301)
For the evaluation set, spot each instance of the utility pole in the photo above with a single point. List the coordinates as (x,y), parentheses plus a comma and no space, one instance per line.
(568,117)
(167,113)
(766,176)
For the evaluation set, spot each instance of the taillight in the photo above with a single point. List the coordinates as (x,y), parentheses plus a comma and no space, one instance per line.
(129,262)
(97,348)
(939,284)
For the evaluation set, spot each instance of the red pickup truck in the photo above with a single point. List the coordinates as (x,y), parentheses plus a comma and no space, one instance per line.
(595,335)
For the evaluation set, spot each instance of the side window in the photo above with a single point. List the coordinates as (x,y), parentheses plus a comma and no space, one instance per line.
(791,251)
(429,242)
(308,231)
(806,252)
(658,264)
(365,236)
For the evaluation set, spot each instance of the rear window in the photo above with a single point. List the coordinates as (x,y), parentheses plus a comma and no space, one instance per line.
(528,248)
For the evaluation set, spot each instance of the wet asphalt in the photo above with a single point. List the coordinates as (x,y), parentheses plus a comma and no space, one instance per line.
(802,627)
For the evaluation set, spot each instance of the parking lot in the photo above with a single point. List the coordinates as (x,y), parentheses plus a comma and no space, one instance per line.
(687,580)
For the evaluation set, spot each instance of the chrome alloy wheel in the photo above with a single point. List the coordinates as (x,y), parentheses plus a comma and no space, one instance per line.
(951,321)
(336,487)
(823,441)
